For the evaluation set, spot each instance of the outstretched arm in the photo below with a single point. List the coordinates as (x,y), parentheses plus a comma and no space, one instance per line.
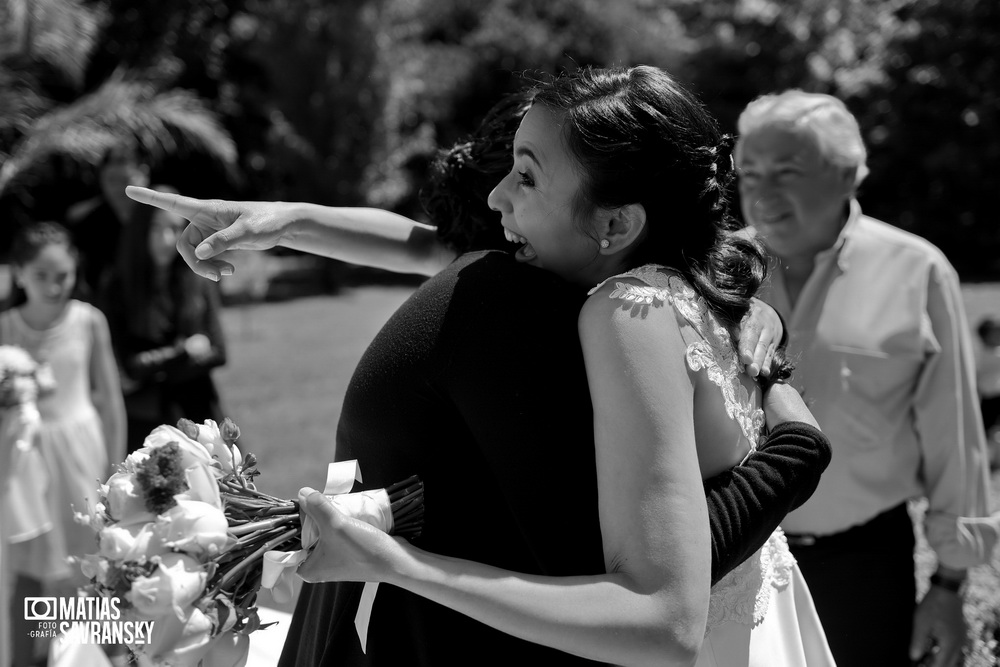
(365,236)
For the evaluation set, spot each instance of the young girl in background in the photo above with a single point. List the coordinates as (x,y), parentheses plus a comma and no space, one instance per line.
(165,328)
(83,419)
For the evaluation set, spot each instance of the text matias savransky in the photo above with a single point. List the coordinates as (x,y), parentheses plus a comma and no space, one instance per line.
(85,620)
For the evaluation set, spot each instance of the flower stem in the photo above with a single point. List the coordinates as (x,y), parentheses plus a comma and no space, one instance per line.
(240,490)
(250,560)
(239,531)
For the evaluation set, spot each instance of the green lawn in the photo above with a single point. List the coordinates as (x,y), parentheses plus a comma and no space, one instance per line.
(289,364)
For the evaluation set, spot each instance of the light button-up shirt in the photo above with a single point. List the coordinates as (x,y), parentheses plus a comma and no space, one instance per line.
(884,360)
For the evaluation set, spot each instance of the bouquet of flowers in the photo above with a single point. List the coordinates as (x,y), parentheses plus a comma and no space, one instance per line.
(22,382)
(22,379)
(186,540)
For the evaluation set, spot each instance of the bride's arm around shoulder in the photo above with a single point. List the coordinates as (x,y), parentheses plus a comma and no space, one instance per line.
(654,518)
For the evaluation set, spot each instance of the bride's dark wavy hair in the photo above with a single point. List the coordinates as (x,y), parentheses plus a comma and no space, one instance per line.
(462,176)
(640,137)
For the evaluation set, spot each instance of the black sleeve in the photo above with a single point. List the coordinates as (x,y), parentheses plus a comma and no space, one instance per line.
(170,363)
(746,503)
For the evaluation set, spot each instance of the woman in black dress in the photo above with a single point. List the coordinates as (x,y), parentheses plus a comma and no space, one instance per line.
(165,328)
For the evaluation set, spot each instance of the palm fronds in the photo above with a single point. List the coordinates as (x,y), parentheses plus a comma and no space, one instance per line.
(21,102)
(121,111)
(61,33)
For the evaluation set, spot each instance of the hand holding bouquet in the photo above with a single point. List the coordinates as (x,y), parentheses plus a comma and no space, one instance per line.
(184,535)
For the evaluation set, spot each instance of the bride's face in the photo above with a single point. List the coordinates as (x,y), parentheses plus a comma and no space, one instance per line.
(536,200)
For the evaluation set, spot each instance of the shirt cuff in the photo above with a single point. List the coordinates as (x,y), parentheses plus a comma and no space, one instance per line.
(962,542)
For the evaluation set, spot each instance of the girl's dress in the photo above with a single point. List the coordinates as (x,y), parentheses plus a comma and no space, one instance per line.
(760,614)
(70,438)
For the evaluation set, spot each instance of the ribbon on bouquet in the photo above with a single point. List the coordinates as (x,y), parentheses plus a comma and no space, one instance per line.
(372,507)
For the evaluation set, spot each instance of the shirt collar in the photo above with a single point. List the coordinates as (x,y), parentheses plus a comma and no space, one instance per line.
(840,248)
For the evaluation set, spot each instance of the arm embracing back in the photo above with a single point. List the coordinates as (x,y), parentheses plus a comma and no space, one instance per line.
(652,504)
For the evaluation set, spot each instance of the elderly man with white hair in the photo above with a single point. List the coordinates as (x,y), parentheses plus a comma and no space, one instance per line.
(885,362)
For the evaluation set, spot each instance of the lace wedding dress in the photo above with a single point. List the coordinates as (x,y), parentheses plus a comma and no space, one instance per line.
(760,614)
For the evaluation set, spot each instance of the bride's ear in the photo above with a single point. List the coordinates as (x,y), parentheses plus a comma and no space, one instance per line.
(622,227)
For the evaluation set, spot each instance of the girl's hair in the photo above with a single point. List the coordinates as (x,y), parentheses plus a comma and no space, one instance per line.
(28,242)
(640,137)
(462,177)
(135,277)
(34,238)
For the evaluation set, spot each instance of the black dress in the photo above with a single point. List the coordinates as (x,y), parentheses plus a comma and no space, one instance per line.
(477,384)
(161,383)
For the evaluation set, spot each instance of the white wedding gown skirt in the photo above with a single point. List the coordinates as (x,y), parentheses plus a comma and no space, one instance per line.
(762,615)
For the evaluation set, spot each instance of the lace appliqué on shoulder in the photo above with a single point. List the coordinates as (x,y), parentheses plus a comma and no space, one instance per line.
(714,354)
(744,595)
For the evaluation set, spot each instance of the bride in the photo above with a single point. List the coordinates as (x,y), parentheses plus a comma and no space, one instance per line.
(618,181)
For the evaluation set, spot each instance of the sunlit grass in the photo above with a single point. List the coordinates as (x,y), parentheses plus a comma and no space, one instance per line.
(289,365)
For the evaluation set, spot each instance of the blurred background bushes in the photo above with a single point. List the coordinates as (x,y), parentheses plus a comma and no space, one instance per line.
(344,102)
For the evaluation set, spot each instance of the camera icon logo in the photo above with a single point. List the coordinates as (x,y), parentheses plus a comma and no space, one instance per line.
(40,609)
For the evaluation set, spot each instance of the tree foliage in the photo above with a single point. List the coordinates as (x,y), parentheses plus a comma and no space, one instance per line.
(934,130)
(346,102)
(54,126)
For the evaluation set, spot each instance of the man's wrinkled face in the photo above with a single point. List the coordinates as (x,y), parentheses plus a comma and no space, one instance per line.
(794,197)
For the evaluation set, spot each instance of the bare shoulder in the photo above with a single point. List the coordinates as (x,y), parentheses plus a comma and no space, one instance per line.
(629,311)
(92,315)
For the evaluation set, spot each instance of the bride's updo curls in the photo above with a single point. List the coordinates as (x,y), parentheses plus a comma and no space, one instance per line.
(640,137)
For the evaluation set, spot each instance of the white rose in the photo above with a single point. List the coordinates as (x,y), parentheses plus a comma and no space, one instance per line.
(193,527)
(94,567)
(191,452)
(97,518)
(133,460)
(202,485)
(135,542)
(210,436)
(125,502)
(171,589)
(179,641)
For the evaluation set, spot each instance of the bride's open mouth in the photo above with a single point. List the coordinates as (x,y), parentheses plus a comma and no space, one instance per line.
(525,253)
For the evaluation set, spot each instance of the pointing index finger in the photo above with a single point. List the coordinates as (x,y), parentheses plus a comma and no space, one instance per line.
(187,207)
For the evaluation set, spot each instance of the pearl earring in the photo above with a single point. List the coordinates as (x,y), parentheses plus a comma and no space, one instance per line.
(605,243)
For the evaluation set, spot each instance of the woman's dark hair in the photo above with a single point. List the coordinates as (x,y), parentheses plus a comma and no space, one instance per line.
(135,281)
(640,137)
(31,240)
(462,177)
